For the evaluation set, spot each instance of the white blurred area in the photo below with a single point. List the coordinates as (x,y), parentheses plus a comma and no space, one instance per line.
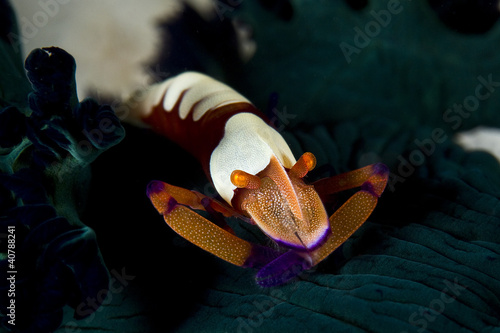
(480,138)
(112,40)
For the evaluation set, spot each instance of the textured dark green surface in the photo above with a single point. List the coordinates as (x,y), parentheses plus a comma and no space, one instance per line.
(411,71)
(433,244)
(429,257)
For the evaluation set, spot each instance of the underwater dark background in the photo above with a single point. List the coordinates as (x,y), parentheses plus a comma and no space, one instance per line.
(426,260)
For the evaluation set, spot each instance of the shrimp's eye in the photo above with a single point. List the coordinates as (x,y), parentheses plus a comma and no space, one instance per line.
(306,163)
(242,179)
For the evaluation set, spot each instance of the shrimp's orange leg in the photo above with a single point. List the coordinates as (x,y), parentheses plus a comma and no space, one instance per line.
(174,204)
(355,211)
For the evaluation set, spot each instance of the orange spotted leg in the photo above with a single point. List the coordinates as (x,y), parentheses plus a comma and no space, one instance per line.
(355,211)
(176,204)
